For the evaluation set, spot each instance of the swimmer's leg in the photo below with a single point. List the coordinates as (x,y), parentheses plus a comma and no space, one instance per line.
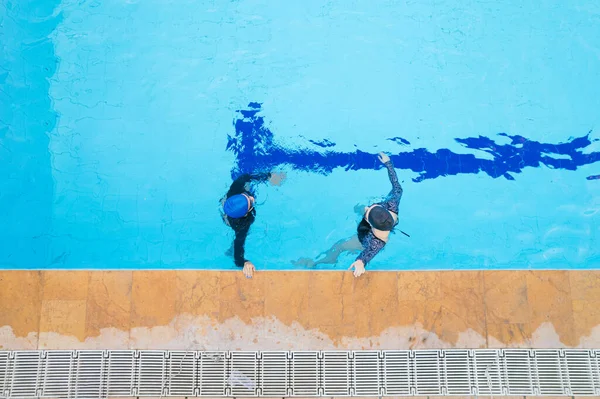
(331,256)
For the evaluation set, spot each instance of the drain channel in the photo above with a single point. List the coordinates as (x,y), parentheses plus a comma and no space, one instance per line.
(139,373)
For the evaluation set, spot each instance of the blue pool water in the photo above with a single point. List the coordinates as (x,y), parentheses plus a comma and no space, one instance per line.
(123,123)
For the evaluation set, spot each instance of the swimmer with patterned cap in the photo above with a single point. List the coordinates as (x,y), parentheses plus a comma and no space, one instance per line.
(378,221)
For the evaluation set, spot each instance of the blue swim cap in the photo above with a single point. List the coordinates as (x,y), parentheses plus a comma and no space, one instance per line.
(236,206)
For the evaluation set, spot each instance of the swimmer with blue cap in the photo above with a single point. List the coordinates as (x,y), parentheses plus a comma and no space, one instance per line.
(239,214)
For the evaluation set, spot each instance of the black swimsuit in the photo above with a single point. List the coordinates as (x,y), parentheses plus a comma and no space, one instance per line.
(241,226)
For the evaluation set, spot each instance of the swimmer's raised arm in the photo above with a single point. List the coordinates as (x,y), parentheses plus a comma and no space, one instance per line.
(393,198)
(239,185)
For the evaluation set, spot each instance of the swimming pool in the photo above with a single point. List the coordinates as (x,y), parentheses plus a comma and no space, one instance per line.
(123,123)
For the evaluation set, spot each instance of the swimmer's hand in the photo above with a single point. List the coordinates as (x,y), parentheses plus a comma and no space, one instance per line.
(383,158)
(277,178)
(359,268)
(249,269)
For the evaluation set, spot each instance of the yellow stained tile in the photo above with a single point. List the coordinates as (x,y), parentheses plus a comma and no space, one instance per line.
(585,284)
(424,314)
(507,335)
(463,304)
(286,296)
(360,302)
(549,297)
(419,286)
(109,301)
(586,316)
(338,282)
(20,301)
(349,310)
(336,333)
(65,317)
(375,303)
(454,321)
(242,297)
(65,284)
(329,297)
(506,297)
(463,285)
(153,298)
(198,292)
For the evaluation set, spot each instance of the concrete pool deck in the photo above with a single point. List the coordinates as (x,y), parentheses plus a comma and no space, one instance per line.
(298,310)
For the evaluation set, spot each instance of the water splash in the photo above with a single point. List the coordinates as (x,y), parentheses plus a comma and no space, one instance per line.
(256,149)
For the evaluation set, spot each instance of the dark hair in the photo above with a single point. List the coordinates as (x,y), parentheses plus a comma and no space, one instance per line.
(381,219)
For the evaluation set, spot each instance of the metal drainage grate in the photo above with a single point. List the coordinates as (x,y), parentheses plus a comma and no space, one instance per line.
(101,374)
